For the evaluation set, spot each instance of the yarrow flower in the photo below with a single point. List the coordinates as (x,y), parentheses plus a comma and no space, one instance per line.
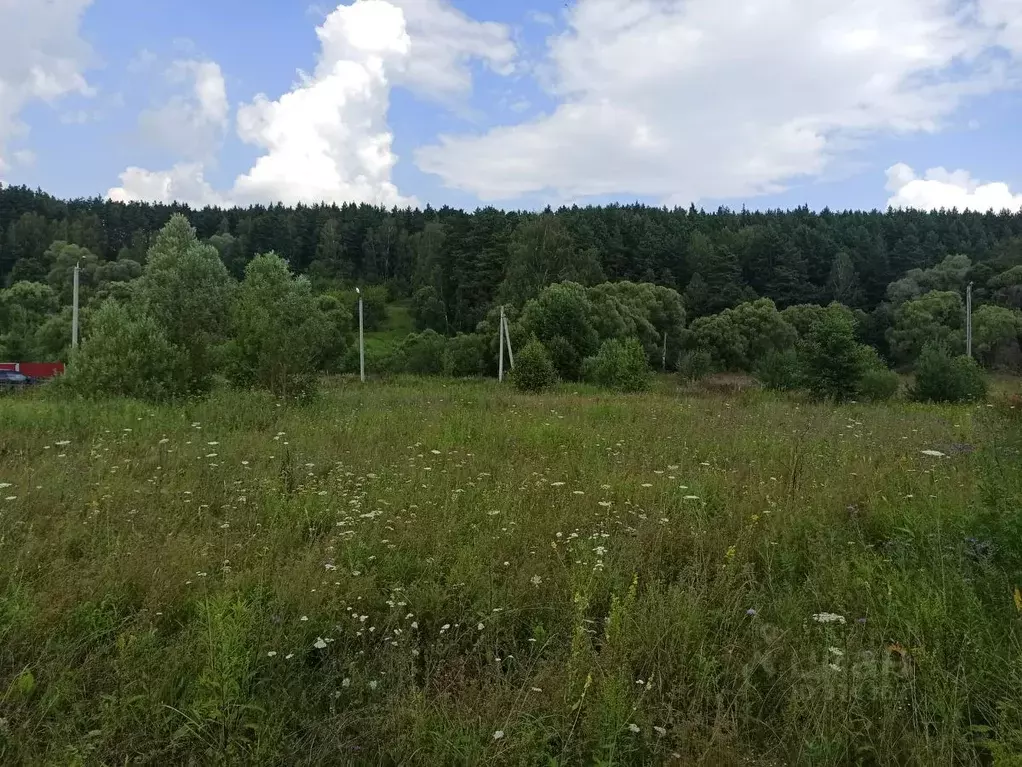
(828,618)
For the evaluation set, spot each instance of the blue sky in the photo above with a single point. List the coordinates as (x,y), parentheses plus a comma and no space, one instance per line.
(764,103)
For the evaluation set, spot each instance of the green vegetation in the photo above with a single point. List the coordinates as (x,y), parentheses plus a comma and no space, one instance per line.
(535,370)
(434,572)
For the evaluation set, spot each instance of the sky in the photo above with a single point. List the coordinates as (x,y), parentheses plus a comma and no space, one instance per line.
(517,104)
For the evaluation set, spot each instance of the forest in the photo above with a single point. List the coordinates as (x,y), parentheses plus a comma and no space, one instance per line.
(902,275)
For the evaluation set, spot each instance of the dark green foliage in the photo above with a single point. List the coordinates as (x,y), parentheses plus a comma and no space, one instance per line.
(833,362)
(534,371)
(738,338)
(779,370)
(619,365)
(127,353)
(279,334)
(428,310)
(567,361)
(420,354)
(695,364)
(943,376)
(879,385)
(465,356)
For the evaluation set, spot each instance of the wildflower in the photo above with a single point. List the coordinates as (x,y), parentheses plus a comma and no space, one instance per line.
(304,618)
(164,441)
(633,727)
(63,443)
(289,656)
(647,484)
(751,612)
(661,731)
(5,485)
(828,618)
(933,453)
(604,504)
(498,735)
(319,644)
(481,626)
(535,580)
(11,498)
(373,685)
(600,551)
(691,497)
(536,689)
(345,682)
(271,653)
(837,651)
(833,667)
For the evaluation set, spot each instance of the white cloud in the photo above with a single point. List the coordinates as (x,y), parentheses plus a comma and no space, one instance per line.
(184,182)
(191,125)
(692,99)
(942,189)
(328,139)
(1006,17)
(41,58)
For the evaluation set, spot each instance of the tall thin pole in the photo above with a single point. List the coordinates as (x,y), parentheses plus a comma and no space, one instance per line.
(74,311)
(664,361)
(500,368)
(361,338)
(968,320)
(507,338)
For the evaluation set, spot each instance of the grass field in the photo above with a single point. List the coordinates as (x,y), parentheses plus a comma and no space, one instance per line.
(449,573)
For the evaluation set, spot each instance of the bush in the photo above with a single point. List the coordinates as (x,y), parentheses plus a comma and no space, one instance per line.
(879,385)
(779,370)
(695,365)
(420,354)
(944,377)
(464,356)
(280,335)
(566,359)
(619,365)
(534,371)
(833,362)
(126,354)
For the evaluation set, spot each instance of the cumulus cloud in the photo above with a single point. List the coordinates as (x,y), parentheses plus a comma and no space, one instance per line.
(328,139)
(185,182)
(939,188)
(42,57)
(692,99)
(191,125)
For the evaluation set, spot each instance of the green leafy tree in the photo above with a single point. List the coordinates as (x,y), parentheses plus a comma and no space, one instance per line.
(186,289)
(996,334)
(941,375)
(542,252)
(465,356)
(619,365)
(833,362)
(127,353)
(429,310)
(562,311)
(934,316)
(61,258)
(24,308)
(534,370)
(737,339)
(278,332)
(843,284)
(420,354)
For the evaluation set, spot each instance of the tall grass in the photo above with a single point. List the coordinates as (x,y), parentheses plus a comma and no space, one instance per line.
(451,573)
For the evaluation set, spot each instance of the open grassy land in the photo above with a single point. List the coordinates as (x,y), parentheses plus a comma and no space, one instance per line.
(420,573)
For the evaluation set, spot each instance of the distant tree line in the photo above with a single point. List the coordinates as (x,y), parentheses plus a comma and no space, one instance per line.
(697,291)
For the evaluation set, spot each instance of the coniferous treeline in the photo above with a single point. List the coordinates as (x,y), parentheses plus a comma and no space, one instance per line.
(466,261)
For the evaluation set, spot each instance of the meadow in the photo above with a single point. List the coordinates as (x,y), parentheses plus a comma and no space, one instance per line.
(431,572)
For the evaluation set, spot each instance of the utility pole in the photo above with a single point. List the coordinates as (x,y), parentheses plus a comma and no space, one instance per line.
(74,310)
(664,361)
(507,337)
(361,338)
(500,365)
(968,320)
